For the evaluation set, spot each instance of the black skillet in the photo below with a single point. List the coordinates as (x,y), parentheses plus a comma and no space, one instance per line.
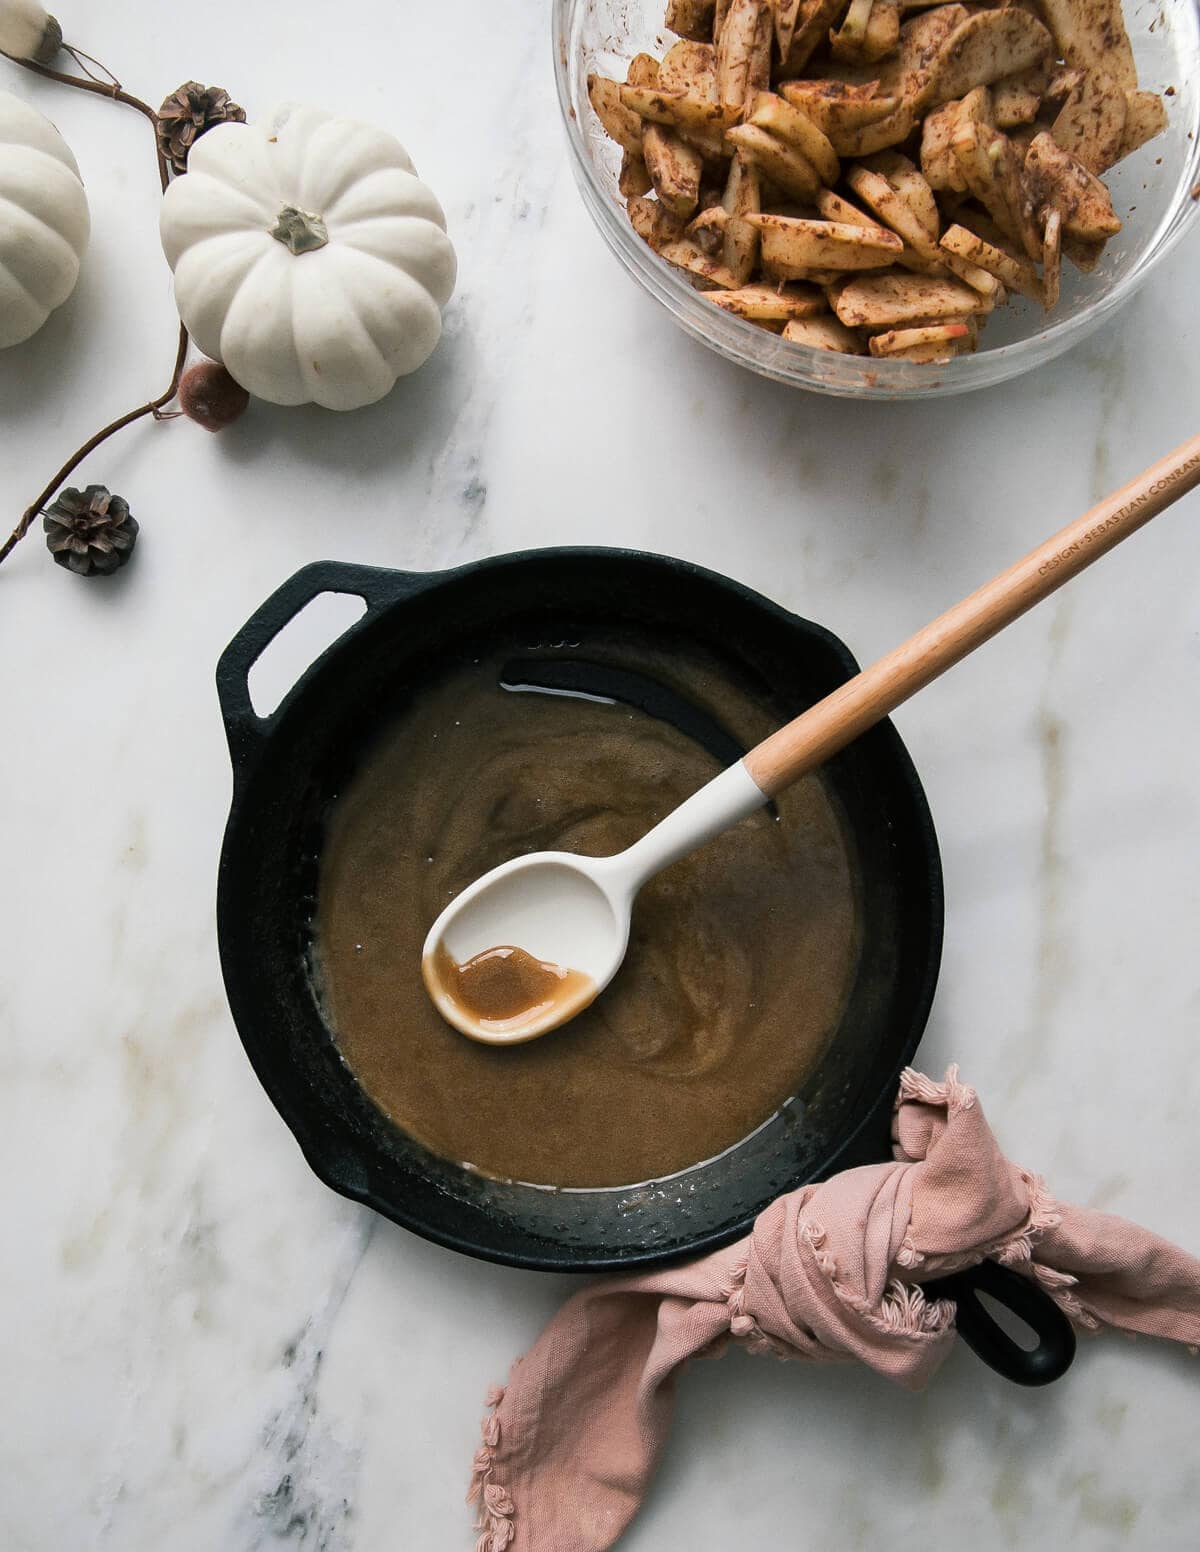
(289,767)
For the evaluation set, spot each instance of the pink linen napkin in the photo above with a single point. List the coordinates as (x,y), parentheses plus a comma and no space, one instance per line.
(829,1273)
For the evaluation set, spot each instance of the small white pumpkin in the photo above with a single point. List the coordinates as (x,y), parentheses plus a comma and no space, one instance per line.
(28,32)
(309,258)
(44,221)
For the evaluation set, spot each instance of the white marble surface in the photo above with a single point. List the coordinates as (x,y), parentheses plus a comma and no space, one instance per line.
(202,1347)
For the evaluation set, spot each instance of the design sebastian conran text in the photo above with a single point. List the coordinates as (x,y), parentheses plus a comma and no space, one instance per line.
(1115,519)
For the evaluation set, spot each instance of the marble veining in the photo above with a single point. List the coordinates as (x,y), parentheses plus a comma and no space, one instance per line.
(1054,951)
(203,1347)
(311,1501)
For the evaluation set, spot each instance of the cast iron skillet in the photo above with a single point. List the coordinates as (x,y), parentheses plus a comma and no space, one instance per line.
(288,769)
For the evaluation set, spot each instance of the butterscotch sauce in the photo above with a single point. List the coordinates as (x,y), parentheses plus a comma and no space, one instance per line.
(504,990)
(741,956)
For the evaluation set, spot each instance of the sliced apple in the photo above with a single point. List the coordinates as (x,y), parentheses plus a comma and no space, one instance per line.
(689,256)
(978,279)
(992,169)
(785,14)
(761,62)
(930,355)
(707,230)
(895,212)
(910,183)
(938,161)
(837,108)
(883,31)
(870,31)
(1064,79)
(742,197)
(894,300)
(922,37)
(771,302)
(1052,260)
(1092,124)
(1014,273)
(832,207)
(1145,117)
(809,30)
(677,109)
(634,179)
(977,221)
(1090,34)
(1084,255)
(691,18)
(824,334)
(893,130)
(643,71)
(1017,98)
(621,123)
(915,343)
(986,47)
(744,52)
(786,167)
(792,125)
(1060,181)
(675,169)
(853,31)
(654,223)
(690,67)
(793,248)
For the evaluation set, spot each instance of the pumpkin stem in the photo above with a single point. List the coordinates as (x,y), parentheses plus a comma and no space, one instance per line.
(299,230)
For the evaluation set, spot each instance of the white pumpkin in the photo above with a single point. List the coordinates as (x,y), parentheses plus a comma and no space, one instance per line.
(44,221)
(309,258)
(28,32)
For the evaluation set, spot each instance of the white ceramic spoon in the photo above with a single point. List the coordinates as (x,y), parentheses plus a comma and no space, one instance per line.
(574,912)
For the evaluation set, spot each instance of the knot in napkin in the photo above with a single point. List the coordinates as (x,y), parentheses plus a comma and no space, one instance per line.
(831,1272)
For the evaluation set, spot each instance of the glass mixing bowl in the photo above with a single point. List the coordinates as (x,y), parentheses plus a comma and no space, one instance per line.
(1151,190)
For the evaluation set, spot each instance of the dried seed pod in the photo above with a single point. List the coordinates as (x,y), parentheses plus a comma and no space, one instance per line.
(210,397)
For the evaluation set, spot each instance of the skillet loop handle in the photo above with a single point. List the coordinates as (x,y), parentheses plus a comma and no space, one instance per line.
(1055,1349)
(376,586)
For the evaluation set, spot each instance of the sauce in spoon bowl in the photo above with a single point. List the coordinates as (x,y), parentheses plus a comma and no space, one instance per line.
(504,991)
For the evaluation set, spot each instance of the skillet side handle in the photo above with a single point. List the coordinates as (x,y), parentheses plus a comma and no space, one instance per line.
(1052,1356)
(376,586)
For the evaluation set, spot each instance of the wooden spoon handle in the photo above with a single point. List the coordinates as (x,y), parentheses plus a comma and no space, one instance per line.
(867,698)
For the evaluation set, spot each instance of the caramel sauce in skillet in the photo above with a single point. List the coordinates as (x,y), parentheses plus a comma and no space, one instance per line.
(504,988)
(741,956)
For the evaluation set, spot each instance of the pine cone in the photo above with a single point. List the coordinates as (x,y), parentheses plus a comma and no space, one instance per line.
(187,113)
(90,531)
